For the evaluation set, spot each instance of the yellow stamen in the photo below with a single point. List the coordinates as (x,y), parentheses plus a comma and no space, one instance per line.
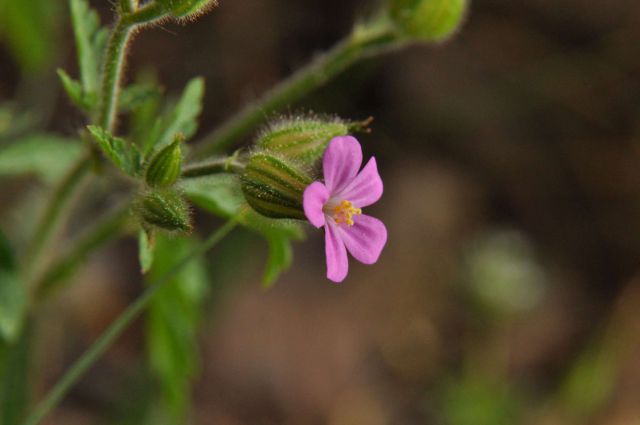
(344,212)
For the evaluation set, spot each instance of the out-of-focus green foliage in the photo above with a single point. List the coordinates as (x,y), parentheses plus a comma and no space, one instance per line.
(173,319)
(28,28)
(45,155)
(428,20)
(222,196)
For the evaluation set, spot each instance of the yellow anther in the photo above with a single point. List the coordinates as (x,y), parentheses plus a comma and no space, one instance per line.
(344,212)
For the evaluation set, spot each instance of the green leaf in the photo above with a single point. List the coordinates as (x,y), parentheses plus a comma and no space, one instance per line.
(124,155)
(136,95)
(173,319)
(75,92)
(146,245)
(280,258)
(28,27)
(182,118)
(46,155)
(91,41)
(13,294)
(221,195)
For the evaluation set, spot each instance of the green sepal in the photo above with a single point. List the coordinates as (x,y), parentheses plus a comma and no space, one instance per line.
(273,186)
(428,20)
(165,166)
(164,209)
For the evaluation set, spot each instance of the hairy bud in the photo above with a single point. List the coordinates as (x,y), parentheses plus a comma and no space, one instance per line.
(273,186)
(304,139)
(165,166)
(165,209)
(428,20)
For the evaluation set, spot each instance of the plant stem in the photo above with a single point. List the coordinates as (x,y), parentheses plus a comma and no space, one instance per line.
(214,166)
(55,211)
(106,229)
(364,41)
(117,327)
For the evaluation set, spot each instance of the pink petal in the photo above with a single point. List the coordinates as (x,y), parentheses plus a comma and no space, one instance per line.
(366,188)
(341,162)
(313,199)
(365,239)
(337,262)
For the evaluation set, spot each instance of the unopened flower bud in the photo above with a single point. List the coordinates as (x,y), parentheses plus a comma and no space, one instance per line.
(165,209)
(304,139)
(165,166)
(428,20)
(187,9)
(273,186)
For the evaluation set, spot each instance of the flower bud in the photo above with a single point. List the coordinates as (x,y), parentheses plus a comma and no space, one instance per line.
(164,209)
(304,139)
(274,186)
(165,166)
(187,9)
(428,20)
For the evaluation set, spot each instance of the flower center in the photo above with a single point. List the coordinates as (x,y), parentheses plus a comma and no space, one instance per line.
(344,212)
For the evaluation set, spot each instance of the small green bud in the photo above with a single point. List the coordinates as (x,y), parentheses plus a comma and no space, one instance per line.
(187,9)
(428,20)
(304,139)
(165,209)
(273,186)
(165,166)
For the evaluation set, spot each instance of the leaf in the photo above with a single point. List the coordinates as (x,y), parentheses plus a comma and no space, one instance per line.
(46,155)
(173,319)
(136,95)
(221,195)
(124,155)
(181,119)
(279,260)
(75,92)
(91,41)
(146,245)
(29,27)
(13,294)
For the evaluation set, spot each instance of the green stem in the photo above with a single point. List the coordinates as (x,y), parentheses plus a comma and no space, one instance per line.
(117,327)
(365,41)
(214,166)
(106,229)
(55,212)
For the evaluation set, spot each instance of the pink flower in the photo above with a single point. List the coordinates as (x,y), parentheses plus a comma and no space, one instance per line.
(337,204)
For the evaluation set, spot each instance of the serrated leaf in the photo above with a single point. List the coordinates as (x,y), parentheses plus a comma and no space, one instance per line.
(222,196)
(76,94)
(91,41)
(13,295)
(46,155)
(136,95)
(183,117)
(146,246)
(173,319)
(123,154)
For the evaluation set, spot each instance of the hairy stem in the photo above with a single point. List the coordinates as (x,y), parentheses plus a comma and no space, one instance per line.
(214,166)
(363,42)
(117,327)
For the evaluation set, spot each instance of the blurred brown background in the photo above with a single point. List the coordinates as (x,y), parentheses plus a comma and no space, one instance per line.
(509,289)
